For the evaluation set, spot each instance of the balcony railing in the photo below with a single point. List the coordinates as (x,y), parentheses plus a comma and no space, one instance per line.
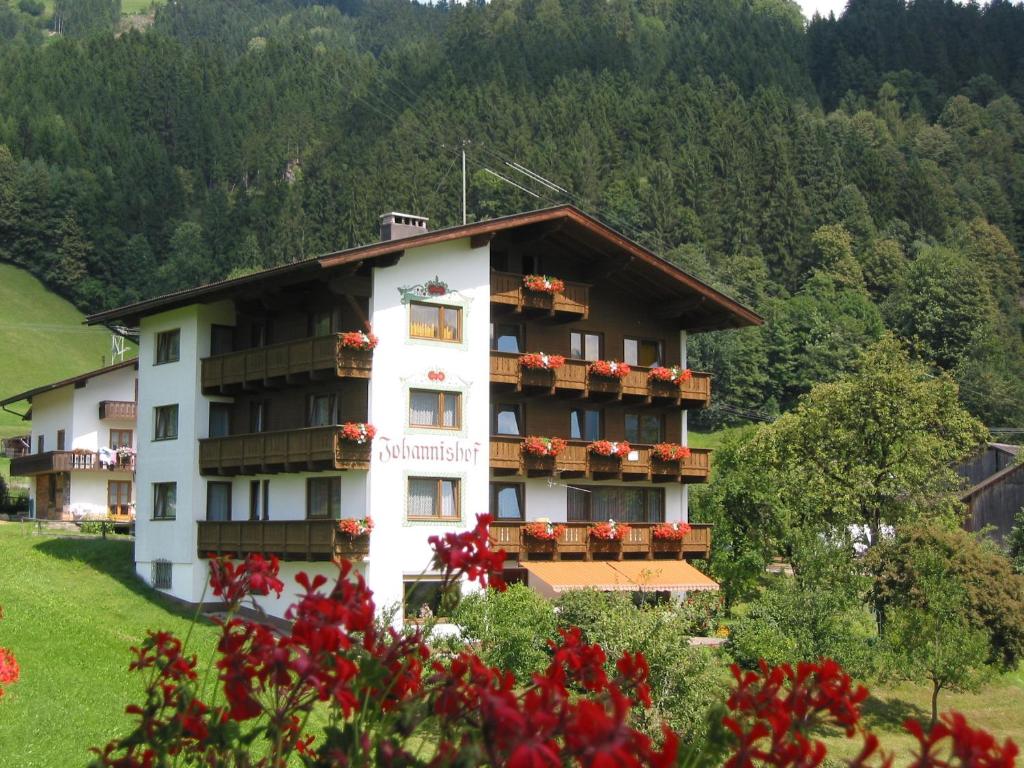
(292,450)
(67,461)
(288,539)
(118,409)
(287,360)
(576,542)
(507,288)
(507,458)
(573,377)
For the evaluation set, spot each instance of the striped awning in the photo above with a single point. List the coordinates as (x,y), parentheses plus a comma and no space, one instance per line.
(551,578)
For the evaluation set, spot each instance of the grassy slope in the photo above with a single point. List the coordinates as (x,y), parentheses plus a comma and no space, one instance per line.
(42,339)
(72,609)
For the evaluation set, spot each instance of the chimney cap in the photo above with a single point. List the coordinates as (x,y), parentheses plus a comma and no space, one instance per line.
(403,218)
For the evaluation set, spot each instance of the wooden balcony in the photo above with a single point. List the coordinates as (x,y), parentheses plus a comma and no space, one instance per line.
(66,461)
(573,380)
(118,409)
(576,542)
(306,540)
(293,450)
(278,364)
(507,291)
(507,458)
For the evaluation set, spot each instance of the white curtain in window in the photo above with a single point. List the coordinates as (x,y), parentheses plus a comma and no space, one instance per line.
(218,501)
(451,409)
(449,506)
(423,408)
(422,496)
(321,410)
(508,504)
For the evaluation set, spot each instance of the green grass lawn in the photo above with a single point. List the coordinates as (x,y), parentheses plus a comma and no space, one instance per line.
(72,610)
(712,440)
(999,708)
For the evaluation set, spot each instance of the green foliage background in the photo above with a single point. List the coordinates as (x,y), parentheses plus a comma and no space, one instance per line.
(842,177)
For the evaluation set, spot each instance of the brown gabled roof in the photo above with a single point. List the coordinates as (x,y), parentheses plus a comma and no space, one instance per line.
(998,477)
(737,315)
(29,394)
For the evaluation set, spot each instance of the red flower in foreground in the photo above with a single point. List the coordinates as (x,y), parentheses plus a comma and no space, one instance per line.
(470,554)
(9,669)
(236,581)
(966,746)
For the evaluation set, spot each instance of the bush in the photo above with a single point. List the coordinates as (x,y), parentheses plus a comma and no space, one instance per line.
(687,682)
(31,7)
(512,628)
(787,624)
(994,593)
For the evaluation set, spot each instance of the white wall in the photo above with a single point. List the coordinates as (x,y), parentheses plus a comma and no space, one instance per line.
(52,411)
(90,433)
(288,494)
(174,460)
(399,547)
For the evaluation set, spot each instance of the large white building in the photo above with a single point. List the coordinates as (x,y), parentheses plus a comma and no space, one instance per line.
(80,455)
(245,387)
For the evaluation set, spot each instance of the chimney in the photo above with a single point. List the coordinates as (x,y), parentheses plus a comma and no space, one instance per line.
(394,226)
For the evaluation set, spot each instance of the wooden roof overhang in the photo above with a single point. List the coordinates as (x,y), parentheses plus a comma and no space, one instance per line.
(603,253)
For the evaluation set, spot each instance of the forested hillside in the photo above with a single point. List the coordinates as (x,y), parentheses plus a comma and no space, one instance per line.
(842,177)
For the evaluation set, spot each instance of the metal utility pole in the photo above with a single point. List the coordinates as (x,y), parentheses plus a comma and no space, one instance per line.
(463,182)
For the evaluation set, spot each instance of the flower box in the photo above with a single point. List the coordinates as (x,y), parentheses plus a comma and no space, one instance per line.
(669,453)
(675,375)
(609,448)
(538,361)
(610,531)
(358,340)
(671,531)
(356,432)
(354,528)
(543,284)
(543,446)
(539,530)
(609,369)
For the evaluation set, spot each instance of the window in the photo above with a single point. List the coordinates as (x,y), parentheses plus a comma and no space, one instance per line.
(625,504)
(508,419)
(60,439)
(164,500)
(162,574)
(321,411)
(220,419)
(644,428)
(119,496)
(259,333)
(218,501)
(121,438)
(258,416)
(433,498)
(430,408)
(259,500)
(506,337)
(168,346)
(585,424)
(222,339)
(40,443)
(641,352)
(421,598)
(507,501)
(321,322)
(323,498)
(166,417)
(435,321)
(584,346)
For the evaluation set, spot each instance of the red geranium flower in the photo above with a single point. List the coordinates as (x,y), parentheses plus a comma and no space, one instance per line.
(539,529)
(610,369)
(470,554)
(670,451)
(671,531)
(358,340)
(540,361)
(619,449)
(356,432)
(610,531)
(543,284)
(543,446)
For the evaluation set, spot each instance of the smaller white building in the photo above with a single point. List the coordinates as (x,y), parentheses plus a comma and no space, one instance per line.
(81,453)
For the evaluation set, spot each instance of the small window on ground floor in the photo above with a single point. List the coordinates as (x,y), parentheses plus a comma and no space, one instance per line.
(162,574)
(422,598)
(119,496)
